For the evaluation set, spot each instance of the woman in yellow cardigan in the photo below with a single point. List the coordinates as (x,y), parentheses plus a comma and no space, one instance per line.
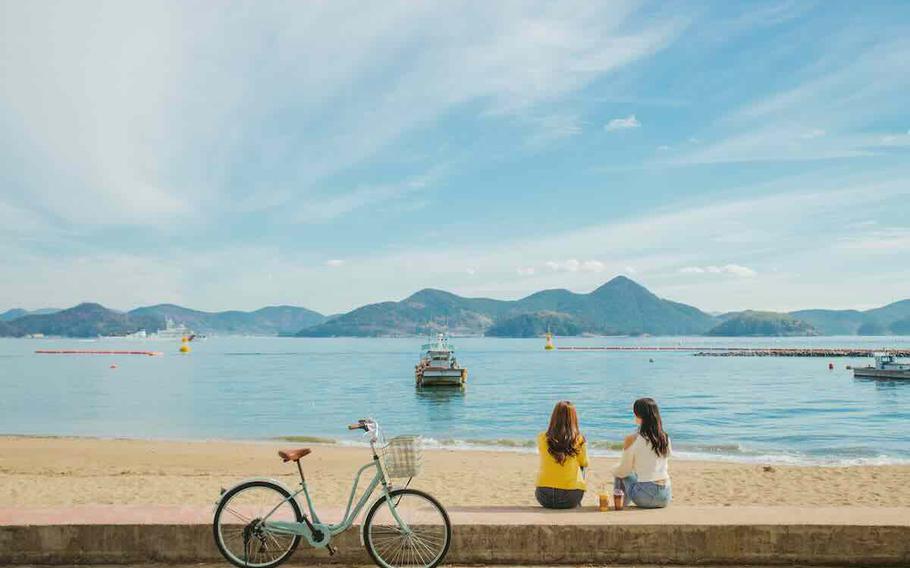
(563,457)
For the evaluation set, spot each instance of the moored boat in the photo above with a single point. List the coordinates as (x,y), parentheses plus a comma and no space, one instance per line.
(885,367)
(438,366)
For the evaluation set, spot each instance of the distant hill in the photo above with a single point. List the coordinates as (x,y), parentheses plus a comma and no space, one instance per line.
(877,321)
(92,320)
(15,313)
(762,324)
(84,320)
(901,326)
(272,320)
(536,325)
(620,306)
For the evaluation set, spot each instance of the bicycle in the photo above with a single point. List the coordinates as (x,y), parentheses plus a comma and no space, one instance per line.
(259,523)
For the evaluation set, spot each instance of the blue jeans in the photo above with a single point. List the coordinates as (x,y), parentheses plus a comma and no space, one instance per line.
(552,498)
(647,494)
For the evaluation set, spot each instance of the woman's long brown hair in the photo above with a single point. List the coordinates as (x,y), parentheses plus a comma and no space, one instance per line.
(563,437)
(652,427)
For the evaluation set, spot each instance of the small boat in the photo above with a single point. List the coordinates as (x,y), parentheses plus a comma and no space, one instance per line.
(438,366)
(886,367)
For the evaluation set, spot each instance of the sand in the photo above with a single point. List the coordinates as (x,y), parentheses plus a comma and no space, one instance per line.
(39,472)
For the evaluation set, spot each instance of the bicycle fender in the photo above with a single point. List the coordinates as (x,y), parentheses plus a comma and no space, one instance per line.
(267,479)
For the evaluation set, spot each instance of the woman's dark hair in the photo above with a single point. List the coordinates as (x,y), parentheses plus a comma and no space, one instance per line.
(652,429)
(563,437)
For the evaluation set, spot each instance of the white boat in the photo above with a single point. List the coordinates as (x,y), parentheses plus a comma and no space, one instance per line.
(885,367)
(438,366)
(172,331)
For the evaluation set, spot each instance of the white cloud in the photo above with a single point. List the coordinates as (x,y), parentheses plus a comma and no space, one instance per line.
(882,241)
(470,271)
(663,148)
(553,127)
(334,263)
(830,113)
(189,115)
(622,123)
(814,133)
(732,269)
(575,265)
(526,270)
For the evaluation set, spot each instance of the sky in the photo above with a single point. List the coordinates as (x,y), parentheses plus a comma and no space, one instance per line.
(331,154)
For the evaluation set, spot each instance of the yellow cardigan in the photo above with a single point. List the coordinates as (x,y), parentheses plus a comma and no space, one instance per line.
(565,476)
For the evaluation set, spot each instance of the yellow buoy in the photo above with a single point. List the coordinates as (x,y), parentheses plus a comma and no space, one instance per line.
(549,345)
(185,345)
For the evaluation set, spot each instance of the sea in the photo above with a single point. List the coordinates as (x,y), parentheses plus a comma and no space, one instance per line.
(749,409)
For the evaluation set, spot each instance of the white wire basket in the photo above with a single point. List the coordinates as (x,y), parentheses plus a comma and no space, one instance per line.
(402,457)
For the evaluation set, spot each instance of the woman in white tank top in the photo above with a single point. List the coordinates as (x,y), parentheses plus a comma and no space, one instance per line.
(642,475)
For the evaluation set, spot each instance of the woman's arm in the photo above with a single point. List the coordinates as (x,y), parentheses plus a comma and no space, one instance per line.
(583,453)
(627,463)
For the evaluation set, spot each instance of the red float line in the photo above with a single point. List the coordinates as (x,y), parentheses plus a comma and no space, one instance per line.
(91,352)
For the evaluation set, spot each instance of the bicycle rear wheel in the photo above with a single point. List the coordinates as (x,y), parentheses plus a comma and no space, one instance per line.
(420,540)
(241,536)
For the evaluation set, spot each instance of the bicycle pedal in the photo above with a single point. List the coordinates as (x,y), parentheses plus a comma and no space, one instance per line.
(331,549)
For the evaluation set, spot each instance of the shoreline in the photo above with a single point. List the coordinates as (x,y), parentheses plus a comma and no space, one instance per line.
(507,446)
(67,471)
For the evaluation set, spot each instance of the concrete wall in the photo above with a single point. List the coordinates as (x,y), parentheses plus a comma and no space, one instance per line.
(835,545)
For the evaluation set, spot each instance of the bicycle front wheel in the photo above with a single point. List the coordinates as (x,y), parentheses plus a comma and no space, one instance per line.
(239,530)
(416,535)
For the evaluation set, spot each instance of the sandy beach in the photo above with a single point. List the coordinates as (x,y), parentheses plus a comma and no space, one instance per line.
(76,471)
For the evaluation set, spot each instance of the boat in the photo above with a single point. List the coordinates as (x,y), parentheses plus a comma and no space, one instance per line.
(885,367)
(438,366)
(172,331)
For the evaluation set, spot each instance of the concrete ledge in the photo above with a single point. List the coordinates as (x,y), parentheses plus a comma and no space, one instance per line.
(493,537)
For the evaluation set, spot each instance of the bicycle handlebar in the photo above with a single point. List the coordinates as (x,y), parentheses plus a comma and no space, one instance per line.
(363,424)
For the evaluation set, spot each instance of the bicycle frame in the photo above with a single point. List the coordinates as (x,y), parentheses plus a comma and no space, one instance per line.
(313,525)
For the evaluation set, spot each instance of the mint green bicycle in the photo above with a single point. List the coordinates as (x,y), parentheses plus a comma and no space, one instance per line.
(258,523)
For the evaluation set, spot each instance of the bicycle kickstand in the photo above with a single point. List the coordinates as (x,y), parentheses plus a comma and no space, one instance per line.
(331,549)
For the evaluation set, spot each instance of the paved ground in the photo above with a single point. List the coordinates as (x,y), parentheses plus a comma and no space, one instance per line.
(291,564)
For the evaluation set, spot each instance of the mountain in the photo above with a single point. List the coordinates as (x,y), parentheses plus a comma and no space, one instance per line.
(620,306)
(92,320)
(536,325)
(877,321)
(272,320)
(421,313)
(84,320)
(901,326)
(762,324)
(15,313)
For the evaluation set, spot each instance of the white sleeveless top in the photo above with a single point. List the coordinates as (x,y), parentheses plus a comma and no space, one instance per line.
(640,459)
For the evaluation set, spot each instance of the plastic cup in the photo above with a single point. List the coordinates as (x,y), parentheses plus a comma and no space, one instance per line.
(604,501)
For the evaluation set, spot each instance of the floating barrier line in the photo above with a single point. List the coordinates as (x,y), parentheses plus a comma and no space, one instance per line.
(93,352)
(754,351)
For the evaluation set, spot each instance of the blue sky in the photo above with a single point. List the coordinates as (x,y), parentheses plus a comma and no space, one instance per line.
(727,155)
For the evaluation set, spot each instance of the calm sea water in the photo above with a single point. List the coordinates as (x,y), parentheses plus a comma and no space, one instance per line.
(763,409)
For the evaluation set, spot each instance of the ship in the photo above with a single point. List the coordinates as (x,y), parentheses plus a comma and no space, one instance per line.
(438,366)
(885,367)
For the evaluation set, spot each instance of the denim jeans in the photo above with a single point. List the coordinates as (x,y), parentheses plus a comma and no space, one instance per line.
(647,494)
(552,498)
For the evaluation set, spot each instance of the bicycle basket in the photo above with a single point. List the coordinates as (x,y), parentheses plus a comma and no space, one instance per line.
(402,457)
